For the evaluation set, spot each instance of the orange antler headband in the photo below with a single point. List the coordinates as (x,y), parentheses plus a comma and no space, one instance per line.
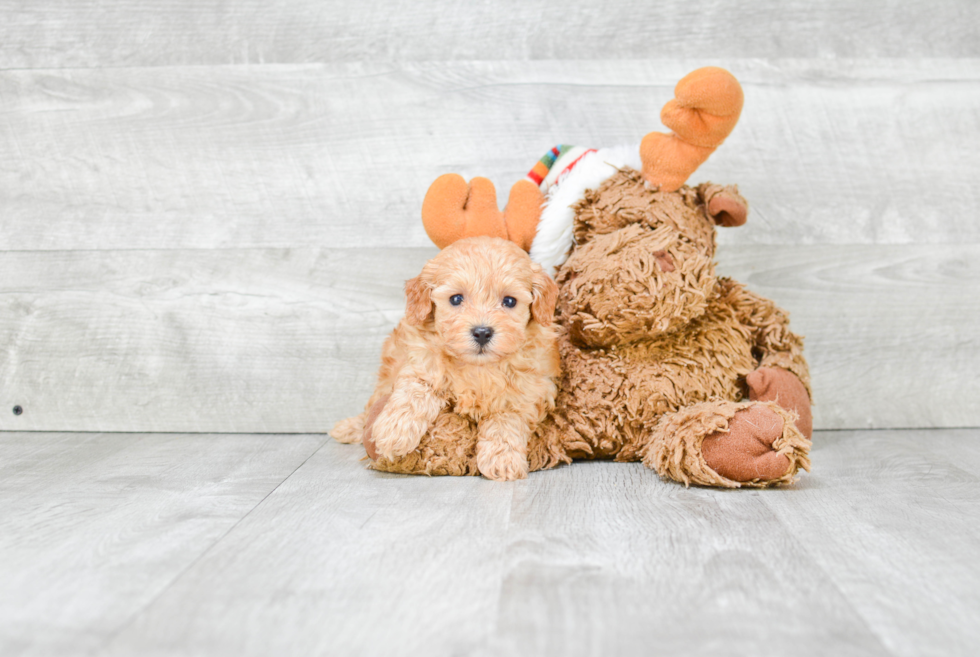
(705,108)
(453,210)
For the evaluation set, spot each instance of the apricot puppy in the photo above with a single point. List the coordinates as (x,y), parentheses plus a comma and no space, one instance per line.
(476,340)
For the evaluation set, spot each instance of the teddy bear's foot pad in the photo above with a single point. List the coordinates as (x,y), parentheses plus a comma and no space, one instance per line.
(745,452)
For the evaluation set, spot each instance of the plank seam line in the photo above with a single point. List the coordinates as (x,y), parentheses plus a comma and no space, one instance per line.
(132,619)
(429,248)
(505,544)
(289,247)
(245,65)
(326,433)
(397,64)
(830,580)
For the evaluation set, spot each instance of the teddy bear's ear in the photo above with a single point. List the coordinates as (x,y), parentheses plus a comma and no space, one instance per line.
(545,297)
(418,301)
(723,204)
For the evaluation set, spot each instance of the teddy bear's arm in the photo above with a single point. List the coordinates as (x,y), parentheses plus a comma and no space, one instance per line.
(781,373)
(773,343)
(760,442)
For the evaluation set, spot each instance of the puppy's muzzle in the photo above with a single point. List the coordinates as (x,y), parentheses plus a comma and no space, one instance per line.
(482,335)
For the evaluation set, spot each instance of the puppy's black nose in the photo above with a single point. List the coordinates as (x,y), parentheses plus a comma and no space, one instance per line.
(482,334)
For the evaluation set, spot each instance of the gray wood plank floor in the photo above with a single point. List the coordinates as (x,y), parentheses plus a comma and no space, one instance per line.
(157,544)
(95,526)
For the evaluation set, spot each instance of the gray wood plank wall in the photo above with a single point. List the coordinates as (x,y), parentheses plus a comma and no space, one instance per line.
(92,33)
(207,209)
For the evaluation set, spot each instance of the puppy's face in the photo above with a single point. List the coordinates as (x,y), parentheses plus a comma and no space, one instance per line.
(480,295)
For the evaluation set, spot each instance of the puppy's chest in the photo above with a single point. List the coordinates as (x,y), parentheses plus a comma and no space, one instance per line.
(478,393)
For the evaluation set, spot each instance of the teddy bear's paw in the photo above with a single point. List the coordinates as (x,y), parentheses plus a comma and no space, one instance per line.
(349,430)
(745,452)
(784,388)
(501,463)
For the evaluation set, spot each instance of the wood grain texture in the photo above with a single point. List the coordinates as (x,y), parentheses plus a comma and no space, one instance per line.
(62,33)
(627,564)
(888,513)
(200,341)
(289,340)
(872,554)
(95,526)
(839,152)
(372,564)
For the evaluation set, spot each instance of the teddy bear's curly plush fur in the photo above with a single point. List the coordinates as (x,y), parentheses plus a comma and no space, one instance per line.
(662,361)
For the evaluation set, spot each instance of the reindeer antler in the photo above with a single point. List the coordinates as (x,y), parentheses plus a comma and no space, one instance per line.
(453,210)
(706,107)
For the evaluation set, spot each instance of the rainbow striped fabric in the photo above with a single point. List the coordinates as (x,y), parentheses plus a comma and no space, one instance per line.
(556,163)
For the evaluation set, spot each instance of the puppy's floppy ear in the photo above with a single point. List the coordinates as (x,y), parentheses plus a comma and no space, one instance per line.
(545,295)
(418,306)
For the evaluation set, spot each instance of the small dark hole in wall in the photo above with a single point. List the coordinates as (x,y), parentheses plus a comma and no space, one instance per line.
(18,410)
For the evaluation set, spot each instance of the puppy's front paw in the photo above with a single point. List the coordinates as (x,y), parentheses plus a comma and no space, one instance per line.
(396,432)
(501,463)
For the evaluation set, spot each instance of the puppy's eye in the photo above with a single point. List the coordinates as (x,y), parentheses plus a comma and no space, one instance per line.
(456,299)
(510,302)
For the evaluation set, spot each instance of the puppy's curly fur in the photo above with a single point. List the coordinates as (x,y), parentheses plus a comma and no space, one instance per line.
(477,341)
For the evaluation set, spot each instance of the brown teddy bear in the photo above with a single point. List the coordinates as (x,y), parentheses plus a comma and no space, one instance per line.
(662,360)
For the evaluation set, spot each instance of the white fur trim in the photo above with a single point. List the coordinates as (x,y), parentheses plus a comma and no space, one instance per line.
(554,238)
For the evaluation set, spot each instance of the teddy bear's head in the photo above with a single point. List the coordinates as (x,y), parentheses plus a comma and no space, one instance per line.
(643,263)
